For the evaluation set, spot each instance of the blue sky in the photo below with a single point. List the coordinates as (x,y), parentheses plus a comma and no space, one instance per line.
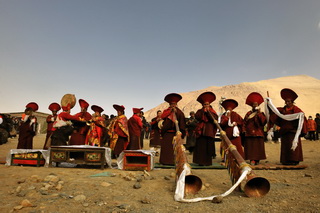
(134,52)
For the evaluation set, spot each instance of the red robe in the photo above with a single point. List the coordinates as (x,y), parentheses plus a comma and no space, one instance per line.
(119,134)
(50,120)
(168,131)
(254,136)
(26,133)
(62,130)
(235,117)
(205,131)
(95,132)
(155,135)
(134,127)
(78,137)
(287,133)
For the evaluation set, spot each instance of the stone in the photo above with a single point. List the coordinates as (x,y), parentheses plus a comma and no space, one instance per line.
(105,184)
(80,198)
(145,201)
(217,199)
(59,187)
(26,203)
(18,189)
(137,185)
(139,179)
(167,178)
(123,206)
(52,178)
(18,207)
(127,178)
(21,181)
(35,178)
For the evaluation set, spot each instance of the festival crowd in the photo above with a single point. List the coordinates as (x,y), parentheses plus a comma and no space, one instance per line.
(248,134)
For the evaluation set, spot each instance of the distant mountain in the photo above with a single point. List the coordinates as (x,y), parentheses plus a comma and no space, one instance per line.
(307,88)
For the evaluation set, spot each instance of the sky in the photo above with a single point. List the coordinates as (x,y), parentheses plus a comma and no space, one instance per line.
(134,52)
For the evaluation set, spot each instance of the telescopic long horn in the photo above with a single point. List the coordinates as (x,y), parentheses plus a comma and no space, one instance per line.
(255,186)
(193,183)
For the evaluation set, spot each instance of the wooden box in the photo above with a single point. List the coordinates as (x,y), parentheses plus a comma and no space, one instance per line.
(137,160)
(31,158)
(78,155)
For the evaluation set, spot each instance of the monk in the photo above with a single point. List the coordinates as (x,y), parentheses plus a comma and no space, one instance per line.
(254,122)
(97,127)
(292,123)
(135,126)
(54,107)
(118,131)
(233,124)
(78,137)
(155,134)
(205,130)
(63,127)
(168,128)
(27,129)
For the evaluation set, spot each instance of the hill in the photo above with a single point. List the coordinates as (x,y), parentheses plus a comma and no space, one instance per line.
(306,87)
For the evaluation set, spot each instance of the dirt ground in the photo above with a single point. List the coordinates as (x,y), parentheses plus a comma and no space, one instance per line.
(56,189)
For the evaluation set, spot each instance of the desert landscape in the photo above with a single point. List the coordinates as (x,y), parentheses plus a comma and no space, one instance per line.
(81,189)
(305,86)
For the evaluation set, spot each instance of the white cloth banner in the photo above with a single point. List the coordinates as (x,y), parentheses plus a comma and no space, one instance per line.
(290,117)
(236,132)
(179,193)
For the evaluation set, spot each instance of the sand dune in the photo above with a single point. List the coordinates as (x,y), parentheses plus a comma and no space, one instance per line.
(307,88)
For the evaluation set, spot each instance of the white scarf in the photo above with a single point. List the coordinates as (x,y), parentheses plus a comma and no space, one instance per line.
(290,117)
(60,123)
(236,132)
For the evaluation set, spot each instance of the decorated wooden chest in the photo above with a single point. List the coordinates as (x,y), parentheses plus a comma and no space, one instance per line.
(137,160)
(31,158)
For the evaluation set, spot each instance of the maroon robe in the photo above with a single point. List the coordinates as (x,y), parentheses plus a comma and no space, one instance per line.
(287,133)
(205,131)
(155,137)
(168,131)
(235,117)
(78,137)
(254,136)
(26,134)
(50,130)
(60,135)
(134,127)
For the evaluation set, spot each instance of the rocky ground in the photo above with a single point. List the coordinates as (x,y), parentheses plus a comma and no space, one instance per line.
(58,189)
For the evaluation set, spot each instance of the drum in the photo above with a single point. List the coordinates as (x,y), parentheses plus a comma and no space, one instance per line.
(68,99)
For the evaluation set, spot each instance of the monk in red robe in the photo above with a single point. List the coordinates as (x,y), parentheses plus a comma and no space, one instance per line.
(97,126)
(291,151)
(254,122)
(135,126)
(54,107)
(63,127)
(233,124)
(78,137)
(205,130)
(155,135)
(168,128)
(118,131)
(27,129)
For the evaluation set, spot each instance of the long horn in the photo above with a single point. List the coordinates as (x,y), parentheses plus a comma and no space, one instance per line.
(193,183)
(255,186)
